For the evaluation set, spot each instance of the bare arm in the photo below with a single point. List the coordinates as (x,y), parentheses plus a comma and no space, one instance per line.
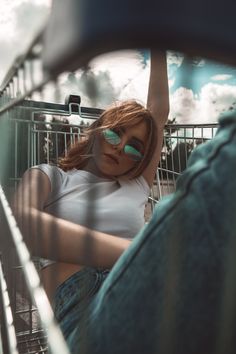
(158,104)
(58,239)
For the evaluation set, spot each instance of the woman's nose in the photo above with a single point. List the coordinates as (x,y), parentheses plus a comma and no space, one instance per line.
(121,145)
(118,147)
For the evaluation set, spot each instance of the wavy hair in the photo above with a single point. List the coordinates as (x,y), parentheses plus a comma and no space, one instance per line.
(123,114)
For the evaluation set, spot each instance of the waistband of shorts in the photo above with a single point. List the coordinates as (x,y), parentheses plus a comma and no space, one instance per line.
(85,274)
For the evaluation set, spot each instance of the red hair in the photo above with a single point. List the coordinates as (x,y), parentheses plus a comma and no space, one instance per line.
(123,114)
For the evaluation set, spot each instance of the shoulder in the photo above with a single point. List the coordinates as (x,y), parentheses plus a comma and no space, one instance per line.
(55,174)
(49,170)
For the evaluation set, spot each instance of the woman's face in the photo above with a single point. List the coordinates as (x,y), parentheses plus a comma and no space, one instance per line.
(117,159)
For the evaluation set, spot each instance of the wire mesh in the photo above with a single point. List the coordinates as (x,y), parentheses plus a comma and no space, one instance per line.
(33,318)
(179,141)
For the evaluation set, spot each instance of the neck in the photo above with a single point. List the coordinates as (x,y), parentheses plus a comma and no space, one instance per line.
(92,168)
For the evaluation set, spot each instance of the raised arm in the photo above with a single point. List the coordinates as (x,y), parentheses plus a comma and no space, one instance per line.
(158,104)
(58,239)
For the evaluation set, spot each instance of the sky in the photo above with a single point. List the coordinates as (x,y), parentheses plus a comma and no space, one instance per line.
(200,90)
(20,20)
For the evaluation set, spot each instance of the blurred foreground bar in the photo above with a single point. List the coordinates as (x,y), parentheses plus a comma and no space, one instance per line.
(78,31)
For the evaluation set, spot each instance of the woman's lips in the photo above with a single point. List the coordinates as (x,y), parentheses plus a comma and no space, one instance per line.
(112,157)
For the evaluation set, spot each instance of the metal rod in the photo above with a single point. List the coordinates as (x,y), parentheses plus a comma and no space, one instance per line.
(56,341)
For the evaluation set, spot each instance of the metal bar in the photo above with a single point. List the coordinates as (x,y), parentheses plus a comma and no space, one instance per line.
(18,100)
(19,61)
(56,341)
(9,342)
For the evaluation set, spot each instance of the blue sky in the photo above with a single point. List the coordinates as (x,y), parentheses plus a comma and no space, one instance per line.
(199,73)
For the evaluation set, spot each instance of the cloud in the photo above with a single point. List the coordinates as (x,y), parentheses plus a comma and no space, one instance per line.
(222,97)
(95,88)
(182,105)
(129,72)
(123,65)
(198,62)
(114,76)
(30,17)
(221,77)
(118,75)
(212,101)
(175,58)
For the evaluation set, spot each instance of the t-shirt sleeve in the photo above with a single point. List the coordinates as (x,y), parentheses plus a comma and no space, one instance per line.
(141,181)
(54,174)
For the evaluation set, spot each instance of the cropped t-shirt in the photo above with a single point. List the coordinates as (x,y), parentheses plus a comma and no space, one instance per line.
(111,206)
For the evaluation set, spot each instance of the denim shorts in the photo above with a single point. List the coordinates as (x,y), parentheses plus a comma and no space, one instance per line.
(74,295)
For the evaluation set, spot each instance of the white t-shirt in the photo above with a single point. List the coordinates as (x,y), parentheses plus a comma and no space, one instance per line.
(112,206)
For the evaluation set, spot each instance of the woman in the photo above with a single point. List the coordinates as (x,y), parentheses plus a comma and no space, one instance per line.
(114,167)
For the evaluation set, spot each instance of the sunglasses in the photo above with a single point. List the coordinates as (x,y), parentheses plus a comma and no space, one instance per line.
(113,138)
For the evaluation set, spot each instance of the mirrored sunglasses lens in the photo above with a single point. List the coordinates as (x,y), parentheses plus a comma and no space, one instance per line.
(134,154)
(111,137)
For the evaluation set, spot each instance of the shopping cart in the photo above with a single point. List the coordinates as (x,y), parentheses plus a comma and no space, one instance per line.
(41,133)
(33,131)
